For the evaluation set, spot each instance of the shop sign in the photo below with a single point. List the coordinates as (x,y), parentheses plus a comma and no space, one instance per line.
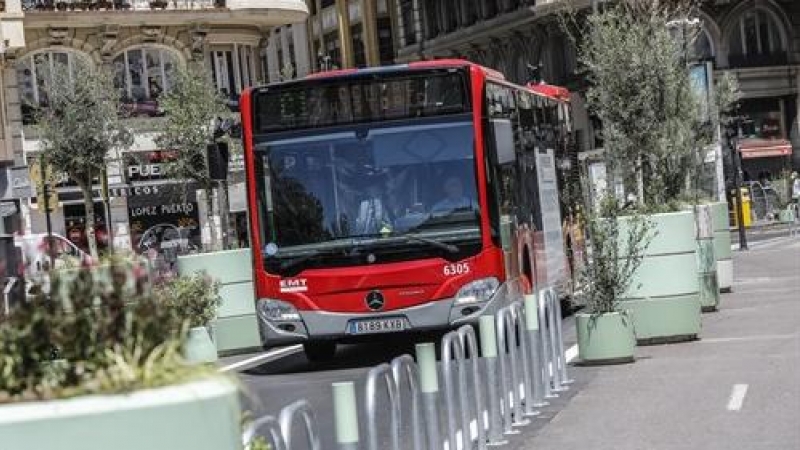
(147,166)
(166,220)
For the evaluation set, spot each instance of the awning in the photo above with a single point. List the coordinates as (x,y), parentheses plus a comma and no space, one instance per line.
(764,148)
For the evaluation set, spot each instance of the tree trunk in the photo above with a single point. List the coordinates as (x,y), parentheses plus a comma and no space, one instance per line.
(88,203)
(212,229)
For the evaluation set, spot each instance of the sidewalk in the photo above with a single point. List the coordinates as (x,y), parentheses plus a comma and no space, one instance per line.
(736,388)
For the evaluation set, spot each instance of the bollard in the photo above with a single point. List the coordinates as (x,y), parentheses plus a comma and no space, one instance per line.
(404,365)
(345,413)
(563,379)
(287,417)
(381,372)
(274,432)
(470,342)
(532,330)
(509,376)
(518,312)
(429,385)
(489,353)
(544,347)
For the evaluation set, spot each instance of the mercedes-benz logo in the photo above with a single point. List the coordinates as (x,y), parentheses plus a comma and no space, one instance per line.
(375,300)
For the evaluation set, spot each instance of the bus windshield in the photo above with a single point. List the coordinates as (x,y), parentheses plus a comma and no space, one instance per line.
(384,183)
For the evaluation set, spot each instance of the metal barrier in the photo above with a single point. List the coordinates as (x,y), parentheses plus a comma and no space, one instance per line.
(524,340)
(280,430)
(509,345)
(289,414)
(384,372)
(454,346)
(404,367)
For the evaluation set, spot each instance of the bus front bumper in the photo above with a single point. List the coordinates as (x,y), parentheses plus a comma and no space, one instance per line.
(323,325)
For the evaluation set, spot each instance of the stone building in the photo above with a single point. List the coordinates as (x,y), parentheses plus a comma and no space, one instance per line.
(141,41)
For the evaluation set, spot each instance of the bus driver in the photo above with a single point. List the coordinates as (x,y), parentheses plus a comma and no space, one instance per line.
(455,199)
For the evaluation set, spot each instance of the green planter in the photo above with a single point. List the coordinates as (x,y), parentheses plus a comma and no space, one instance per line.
(786,216)
(664,297)
(199,347)
(202,415)
(236,328)
(605,338)
(722,245)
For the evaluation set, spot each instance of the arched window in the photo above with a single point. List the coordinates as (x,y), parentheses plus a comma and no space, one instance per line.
(32,72)
(702,48)
(756,40)
(142,75)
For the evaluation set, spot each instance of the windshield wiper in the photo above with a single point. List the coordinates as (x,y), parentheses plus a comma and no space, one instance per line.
(294,262)
(438,244)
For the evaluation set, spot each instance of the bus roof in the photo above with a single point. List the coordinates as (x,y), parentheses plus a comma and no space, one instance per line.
(429,64)
(548,90)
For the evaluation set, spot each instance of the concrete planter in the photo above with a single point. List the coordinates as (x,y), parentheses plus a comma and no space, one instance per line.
(235,328)
(664,297)
(722,245)
(199,347)
(605,338)
(786,216)
(202,415)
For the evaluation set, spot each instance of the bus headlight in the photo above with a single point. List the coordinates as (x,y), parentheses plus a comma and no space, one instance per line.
(477,291)
(277,311)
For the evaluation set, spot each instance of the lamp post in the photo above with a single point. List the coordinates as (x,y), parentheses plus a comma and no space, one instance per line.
(735,135)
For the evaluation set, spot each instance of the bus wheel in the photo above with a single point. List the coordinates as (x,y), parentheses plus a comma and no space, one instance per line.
(320,352)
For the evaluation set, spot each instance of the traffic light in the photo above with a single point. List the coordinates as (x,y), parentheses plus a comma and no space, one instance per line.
(218,156)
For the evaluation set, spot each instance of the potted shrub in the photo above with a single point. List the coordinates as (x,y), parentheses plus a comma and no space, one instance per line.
(195,298)
(92,366)
(605,329)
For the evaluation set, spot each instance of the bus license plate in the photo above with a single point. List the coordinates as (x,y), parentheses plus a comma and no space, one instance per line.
(371,326)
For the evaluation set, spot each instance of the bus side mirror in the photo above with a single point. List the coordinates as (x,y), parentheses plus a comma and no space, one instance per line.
(503,134)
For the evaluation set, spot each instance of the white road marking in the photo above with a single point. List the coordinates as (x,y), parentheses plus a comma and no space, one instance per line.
(737,397)
(272,354)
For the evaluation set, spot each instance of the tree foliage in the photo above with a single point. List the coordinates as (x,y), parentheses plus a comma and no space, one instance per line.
(192,107)
(79,124)
(635,56)
(617,248)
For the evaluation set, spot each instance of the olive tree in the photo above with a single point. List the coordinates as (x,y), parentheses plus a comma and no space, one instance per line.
(79,123)
(635,53)
(191,109)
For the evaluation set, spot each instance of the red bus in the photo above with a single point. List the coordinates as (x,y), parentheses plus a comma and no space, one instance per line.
(398,199)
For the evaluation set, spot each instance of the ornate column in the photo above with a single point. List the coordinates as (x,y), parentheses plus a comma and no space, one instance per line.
(369,24)
(301,53)
(273,65)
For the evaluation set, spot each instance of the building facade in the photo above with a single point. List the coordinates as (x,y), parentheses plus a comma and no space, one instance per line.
(141,42)
(758,41)
(337,34)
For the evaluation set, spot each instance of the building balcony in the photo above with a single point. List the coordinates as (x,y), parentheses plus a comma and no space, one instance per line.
(87,13)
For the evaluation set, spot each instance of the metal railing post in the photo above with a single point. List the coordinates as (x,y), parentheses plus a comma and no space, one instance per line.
(429,385)
(532,330)
(547,354)
(489,353)
(404,365)
(469,342)
(287,418)
(345,414)
(273,429)
(554,322)
(523,352)
(509,370)
(453,352)
(564,380)
(383,371)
